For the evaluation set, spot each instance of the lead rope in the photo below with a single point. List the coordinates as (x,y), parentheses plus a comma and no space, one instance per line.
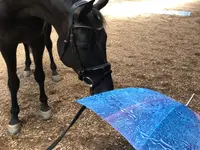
(67,129)
(53,145)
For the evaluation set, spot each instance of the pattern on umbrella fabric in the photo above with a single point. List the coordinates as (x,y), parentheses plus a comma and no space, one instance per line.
(148,119)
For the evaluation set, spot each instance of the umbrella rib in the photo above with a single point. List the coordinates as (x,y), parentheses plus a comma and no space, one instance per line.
(190,99)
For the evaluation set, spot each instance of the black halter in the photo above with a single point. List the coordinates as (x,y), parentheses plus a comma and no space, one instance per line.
(104,68)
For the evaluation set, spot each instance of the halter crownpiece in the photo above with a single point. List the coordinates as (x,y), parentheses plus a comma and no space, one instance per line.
(79,3)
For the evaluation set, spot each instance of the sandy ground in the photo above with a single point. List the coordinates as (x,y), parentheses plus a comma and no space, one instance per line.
(159,52)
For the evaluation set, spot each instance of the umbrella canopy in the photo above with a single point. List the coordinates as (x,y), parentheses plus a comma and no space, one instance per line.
(148,119)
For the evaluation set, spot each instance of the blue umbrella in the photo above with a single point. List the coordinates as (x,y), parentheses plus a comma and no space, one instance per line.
(147,119)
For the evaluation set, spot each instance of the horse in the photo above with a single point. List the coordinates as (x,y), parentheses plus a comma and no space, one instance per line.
(48,43)
(81,44)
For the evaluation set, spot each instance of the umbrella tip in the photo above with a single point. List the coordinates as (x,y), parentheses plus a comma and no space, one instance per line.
(190,99)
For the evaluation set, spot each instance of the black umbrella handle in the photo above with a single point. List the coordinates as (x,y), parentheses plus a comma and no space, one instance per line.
(67,129)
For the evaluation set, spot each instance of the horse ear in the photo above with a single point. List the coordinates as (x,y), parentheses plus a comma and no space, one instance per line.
(100,4)
(83,10)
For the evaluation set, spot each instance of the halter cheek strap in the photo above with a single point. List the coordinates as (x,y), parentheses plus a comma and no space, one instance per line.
(70,23)
(74,7)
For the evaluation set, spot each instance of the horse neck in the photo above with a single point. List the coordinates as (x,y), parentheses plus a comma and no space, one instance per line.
(56,12)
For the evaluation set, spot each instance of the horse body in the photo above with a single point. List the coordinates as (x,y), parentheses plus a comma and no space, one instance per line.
(23,21)
(81,44)
(20,30)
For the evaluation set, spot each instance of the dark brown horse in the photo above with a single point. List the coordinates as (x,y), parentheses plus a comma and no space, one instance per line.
(48,43)
(81,44)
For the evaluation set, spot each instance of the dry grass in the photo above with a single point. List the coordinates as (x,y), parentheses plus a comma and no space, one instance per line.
(159,52)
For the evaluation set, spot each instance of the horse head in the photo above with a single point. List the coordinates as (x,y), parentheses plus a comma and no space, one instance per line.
(83,48)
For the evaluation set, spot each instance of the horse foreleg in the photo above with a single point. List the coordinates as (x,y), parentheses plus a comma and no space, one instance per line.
(37,50)
(55,76)
(27,70)
(9,54)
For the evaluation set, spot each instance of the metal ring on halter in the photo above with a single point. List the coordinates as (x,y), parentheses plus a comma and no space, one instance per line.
(88,81)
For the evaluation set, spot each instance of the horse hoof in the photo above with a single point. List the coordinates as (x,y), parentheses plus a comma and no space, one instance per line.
(14,129)
(27,73)
(45,115)
(56,78)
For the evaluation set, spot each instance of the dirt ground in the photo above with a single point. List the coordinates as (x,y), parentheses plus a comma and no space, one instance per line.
(159,52)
